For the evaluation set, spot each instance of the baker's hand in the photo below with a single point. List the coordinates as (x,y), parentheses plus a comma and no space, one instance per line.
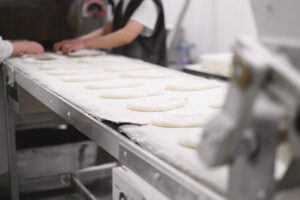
(26,47)
(58,46)
(72,46)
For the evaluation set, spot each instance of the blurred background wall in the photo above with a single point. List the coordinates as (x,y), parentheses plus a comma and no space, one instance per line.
(213,25)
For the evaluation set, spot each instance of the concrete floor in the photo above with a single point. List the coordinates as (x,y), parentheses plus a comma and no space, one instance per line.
(44,138)
(62,196)
(100,190)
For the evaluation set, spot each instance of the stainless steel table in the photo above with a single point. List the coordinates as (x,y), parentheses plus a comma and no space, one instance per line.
(167,179)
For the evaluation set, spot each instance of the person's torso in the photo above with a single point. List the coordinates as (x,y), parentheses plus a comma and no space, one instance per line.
(151,49)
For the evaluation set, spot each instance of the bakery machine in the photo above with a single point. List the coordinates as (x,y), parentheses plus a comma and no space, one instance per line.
(261,112)
(127,185)
(263,98)
(26,104)
(46,22)
(159,176)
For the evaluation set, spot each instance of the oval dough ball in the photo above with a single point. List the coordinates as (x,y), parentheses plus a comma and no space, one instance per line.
(88,78)
(113,84)
(180,121)
(157,104)
(132,93)
(148,74)
(192,86)
(190,141)
(125,68)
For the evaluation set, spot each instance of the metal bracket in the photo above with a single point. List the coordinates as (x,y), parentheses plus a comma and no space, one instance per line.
(161,179)
(153,176)
(81,189)
(264,94)
(10,72)
(255,154)
(7,135)
(88,174)
(206,75)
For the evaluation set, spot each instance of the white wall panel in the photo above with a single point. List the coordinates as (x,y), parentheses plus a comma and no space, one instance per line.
(213,25)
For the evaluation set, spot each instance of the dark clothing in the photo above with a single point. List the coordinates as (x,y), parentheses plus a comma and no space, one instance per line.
(150,49)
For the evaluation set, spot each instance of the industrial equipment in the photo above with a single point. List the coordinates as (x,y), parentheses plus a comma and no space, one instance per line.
(104,122)
(261,110)
(127,185)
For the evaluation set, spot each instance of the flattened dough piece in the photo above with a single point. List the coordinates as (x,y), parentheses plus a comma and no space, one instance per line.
(192,85)
(125,68)
(85,53)
(88,78)
(62,72)
(132,93)
(217,106)
(35,61)
(148,74)
(89,60)
(180,121)
(157,104)
(48,67)
(190,141)
(67,67)
(44,56)
(70,72)
(113,84)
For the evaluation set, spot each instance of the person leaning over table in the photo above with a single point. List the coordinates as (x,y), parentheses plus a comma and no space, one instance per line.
(137,30)
(8,49)
(18,47)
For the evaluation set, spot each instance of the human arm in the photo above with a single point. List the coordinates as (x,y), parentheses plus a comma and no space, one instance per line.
(17,47)
(119,38)
(142,22)
(26,47)
(106,29)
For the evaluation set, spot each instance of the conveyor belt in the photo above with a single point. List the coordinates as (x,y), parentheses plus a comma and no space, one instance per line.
(83,109)
(198,71)
(163,142)
(116,110)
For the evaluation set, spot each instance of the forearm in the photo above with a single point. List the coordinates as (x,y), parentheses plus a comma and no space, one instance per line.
(119,38)
(113,40)
(26,47)
(97,33)
(107,28)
